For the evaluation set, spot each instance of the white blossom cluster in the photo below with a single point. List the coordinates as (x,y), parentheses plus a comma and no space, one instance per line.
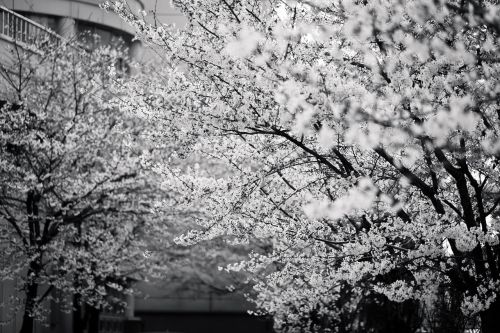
(75,214)
(360,140)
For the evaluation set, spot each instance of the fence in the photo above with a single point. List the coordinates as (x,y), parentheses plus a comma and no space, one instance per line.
(19,29)
(111,324)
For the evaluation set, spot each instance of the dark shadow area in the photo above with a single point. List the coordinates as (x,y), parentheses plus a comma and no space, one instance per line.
(204,322)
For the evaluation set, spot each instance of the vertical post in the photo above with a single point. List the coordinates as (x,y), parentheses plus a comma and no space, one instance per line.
(9,25)
(129,311)
(131,323)
(136,50)
(3,23)
(135,54)
(210,300)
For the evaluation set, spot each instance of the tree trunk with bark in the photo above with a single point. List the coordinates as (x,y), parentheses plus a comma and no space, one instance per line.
(78,315)
(31,285)
(31,294)
(93,318)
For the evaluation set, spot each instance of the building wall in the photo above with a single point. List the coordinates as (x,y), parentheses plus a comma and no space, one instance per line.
(84,10)
(195,308)
(70,18)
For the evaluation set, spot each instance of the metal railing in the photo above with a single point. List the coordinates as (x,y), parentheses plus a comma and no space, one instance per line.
(111,324)
(19,29)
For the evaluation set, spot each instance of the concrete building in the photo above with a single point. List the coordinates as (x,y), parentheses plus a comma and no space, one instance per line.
(69,18)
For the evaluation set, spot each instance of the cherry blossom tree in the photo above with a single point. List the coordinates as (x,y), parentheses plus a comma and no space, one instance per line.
(361,140)
(75,190)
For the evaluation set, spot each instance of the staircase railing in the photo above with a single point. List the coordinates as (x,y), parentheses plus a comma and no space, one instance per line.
(19,29)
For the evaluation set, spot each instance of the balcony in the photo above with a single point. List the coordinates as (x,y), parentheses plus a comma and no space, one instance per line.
(19,30)
(87,11)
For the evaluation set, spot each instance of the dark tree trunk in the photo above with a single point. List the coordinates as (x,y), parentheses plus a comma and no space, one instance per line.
(34,268)
(31,293)
(93,318)
(78,320)
(490,319)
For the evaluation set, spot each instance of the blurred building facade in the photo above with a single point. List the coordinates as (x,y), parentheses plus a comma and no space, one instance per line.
(195,307)
(72,18)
